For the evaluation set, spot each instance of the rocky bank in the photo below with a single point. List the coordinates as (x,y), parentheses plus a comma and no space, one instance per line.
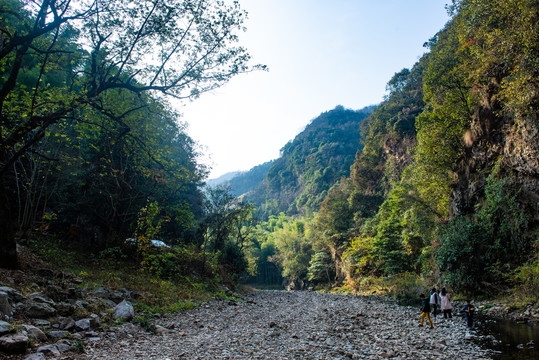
(288,325)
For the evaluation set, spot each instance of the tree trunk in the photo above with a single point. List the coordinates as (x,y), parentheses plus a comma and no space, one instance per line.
(8,245)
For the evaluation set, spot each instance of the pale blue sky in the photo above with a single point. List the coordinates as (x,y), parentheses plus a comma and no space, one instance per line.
(320,54)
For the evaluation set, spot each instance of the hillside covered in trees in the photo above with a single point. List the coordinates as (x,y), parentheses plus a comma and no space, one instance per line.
(91,151)
(445,187)
(310,164)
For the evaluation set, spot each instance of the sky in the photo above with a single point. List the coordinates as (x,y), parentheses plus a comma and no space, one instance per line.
(320,54)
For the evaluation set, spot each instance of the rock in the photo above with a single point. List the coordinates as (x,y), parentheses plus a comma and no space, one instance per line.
(14,343)
(35,356)
(56,293)
(18,308)
(65,308)
(116,296)
(51,349)
(59,334)
(34,333)
(83,324)
(298,325)
(124,311)
(101,292)
(5,327)
(65,323)
(5,305)
(39,298)
(161,329)
(81,305)
(41,323)
(12,293)
(95,322)
(63,345)
(40,310)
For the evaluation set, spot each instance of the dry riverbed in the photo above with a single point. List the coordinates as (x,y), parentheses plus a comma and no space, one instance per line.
(290,325)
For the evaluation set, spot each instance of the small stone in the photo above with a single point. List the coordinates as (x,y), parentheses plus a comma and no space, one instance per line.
(65,323)
(6,309)
(83,324)
(41,323)
(35,356)
(5,327)
(51,349)
(59,334)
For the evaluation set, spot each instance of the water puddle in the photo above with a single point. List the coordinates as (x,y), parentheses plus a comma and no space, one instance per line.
(508,339)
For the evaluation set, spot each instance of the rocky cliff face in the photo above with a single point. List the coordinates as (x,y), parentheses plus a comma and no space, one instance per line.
(507,143)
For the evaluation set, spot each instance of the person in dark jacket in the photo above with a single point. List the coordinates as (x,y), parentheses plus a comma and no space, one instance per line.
(425,311)
(469,310)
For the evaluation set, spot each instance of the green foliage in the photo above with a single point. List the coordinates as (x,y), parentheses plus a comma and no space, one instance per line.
(148,226)
(458,201)
(294,251)
(477,252)
(526,278)
(297,182)
(321,268)
(228,231)
(177,263)
(84,130)
(388,249)
(464,256)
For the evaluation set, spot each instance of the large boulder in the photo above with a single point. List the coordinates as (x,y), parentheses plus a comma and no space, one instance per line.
(14,343)
(124,311)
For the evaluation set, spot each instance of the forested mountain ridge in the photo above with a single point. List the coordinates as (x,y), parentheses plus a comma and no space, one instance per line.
(311,163)
(445,189)
(242,182)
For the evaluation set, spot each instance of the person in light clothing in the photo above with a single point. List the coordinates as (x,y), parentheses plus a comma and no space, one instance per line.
(446,304)
(434,301)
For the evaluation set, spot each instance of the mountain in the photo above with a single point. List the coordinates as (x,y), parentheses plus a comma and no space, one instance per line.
(223,179)
(247,181)
(311,164)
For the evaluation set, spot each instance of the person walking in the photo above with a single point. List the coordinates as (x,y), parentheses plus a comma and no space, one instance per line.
(445,302)
(425,311)
(434,301)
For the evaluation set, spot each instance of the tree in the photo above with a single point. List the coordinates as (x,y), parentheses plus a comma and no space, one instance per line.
(180,49)
(228,226)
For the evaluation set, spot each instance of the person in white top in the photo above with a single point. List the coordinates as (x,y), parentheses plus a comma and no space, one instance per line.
(446,304)
(434,301)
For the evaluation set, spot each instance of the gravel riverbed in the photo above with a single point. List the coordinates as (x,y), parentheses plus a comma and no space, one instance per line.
(291,325)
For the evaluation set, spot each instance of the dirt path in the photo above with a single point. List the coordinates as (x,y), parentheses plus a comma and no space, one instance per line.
(291,325)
